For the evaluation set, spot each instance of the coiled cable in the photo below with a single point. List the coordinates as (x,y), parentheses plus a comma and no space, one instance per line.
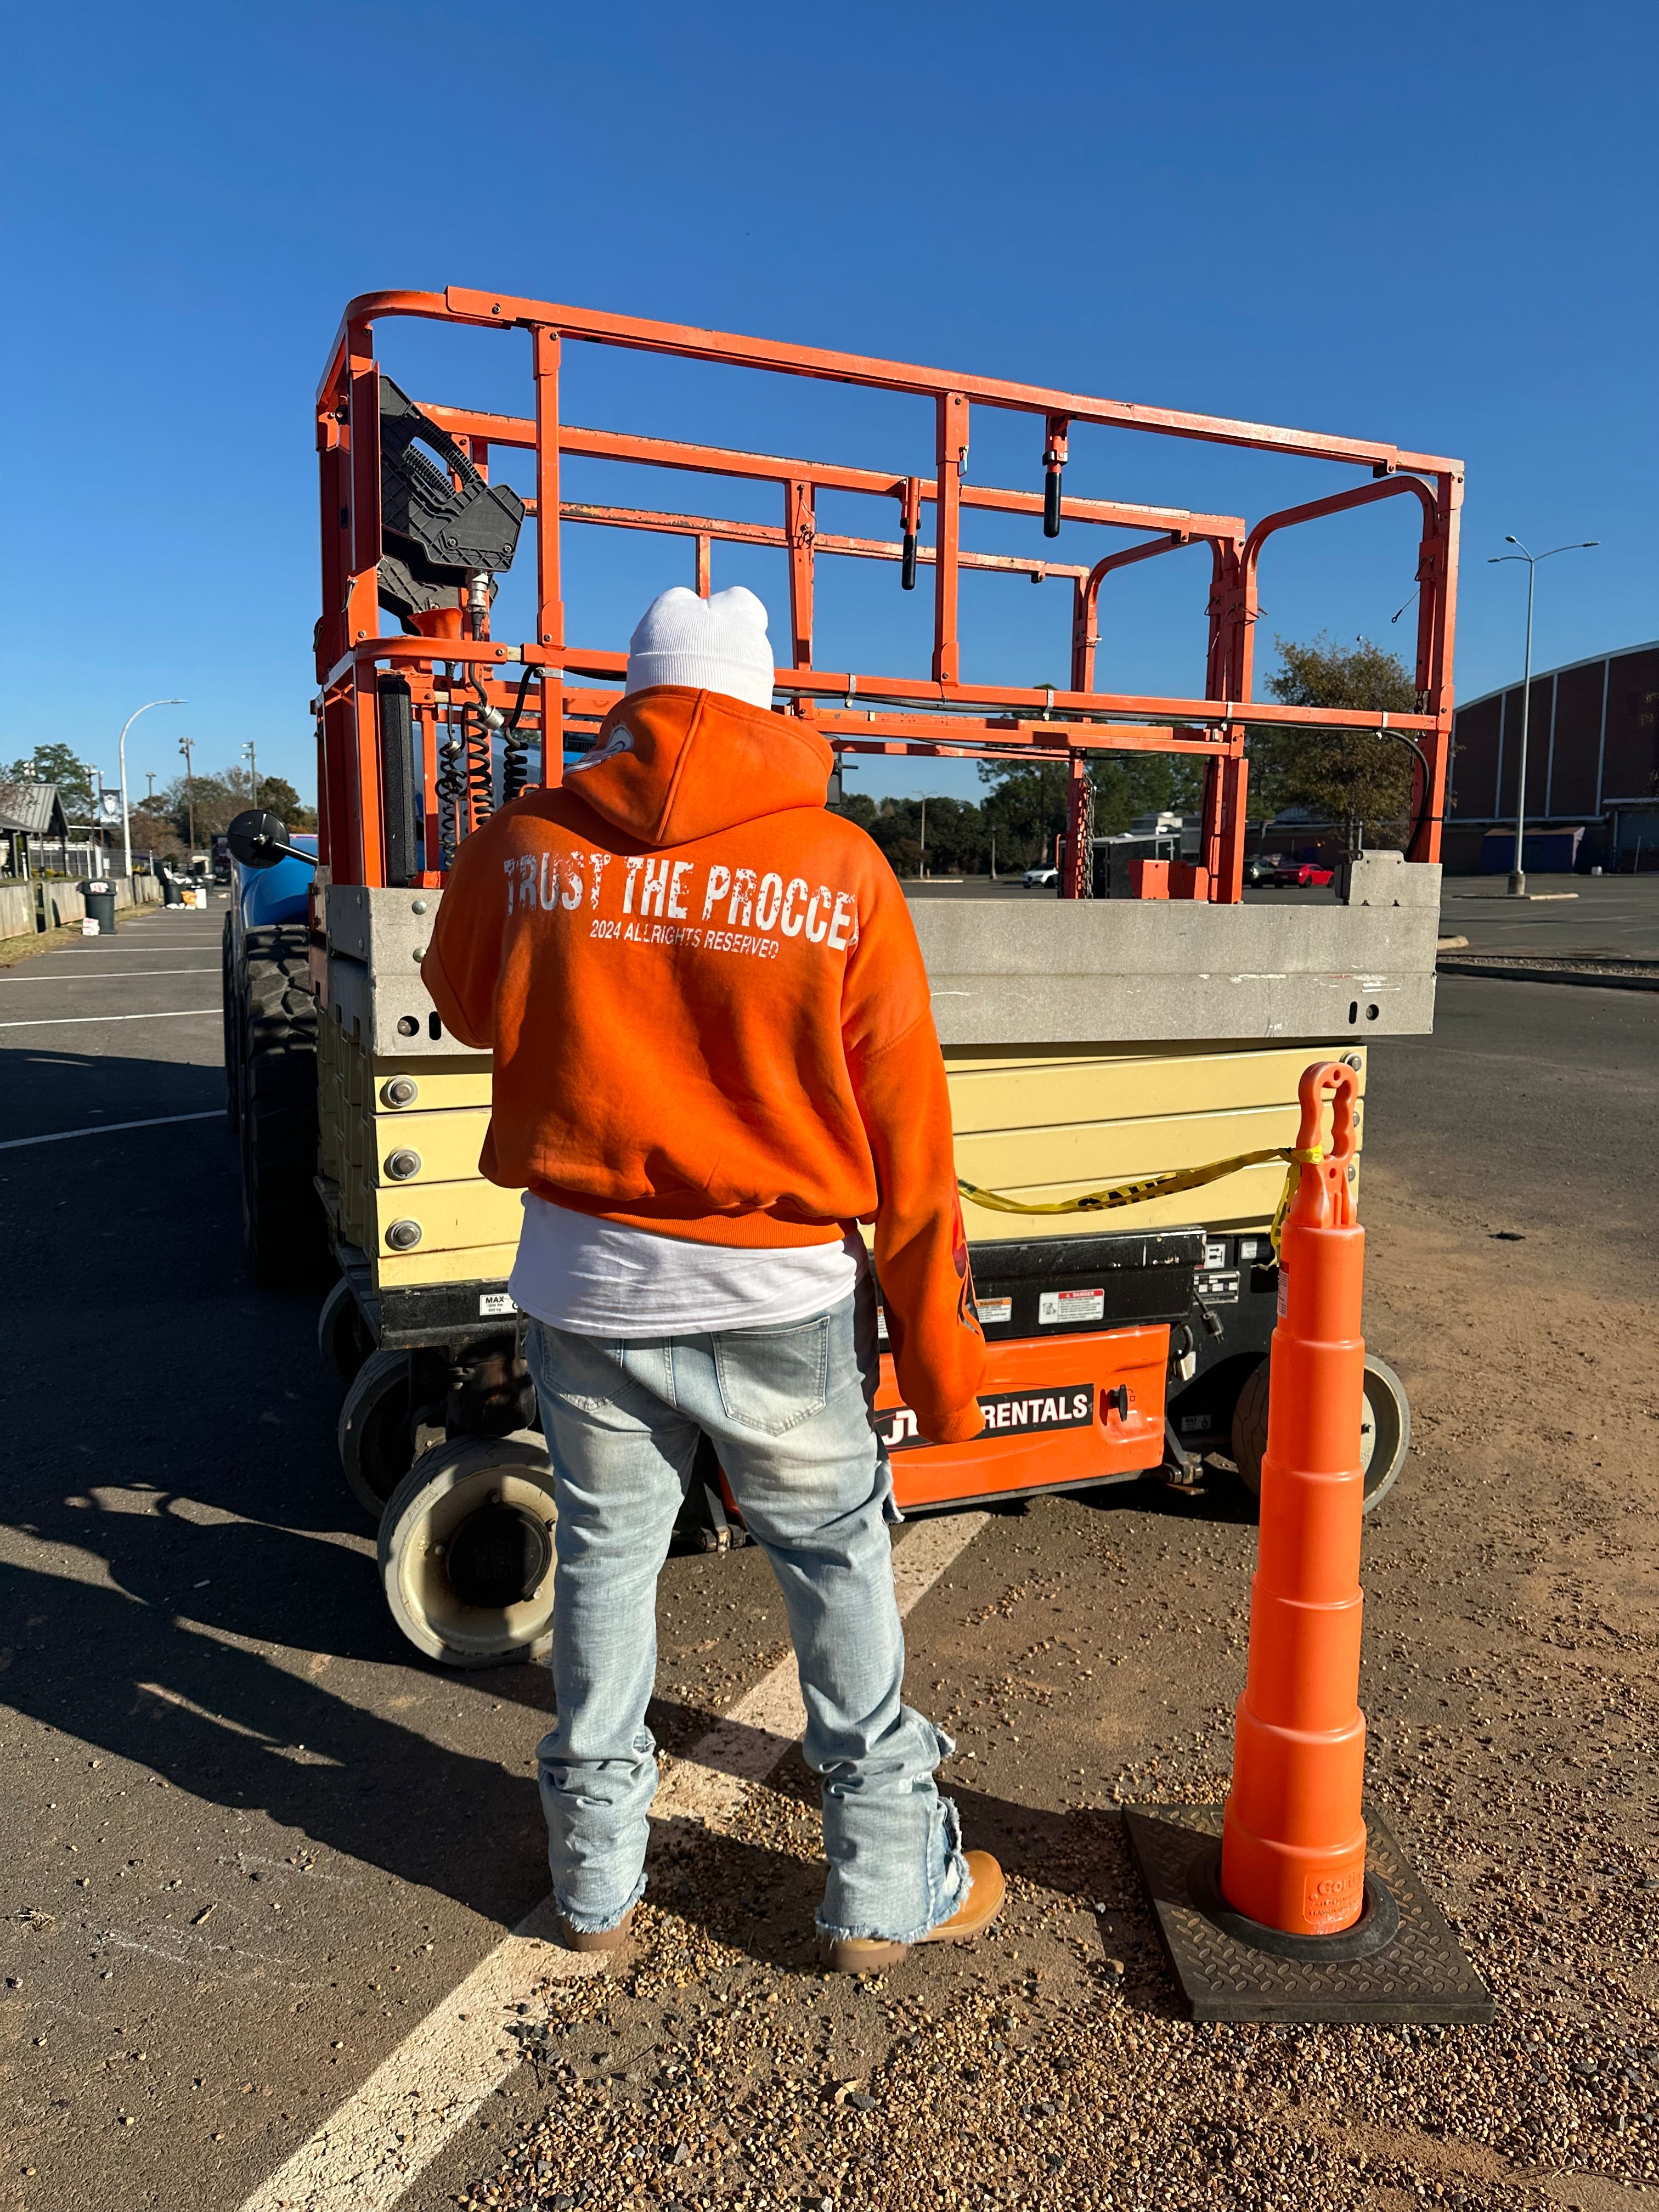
(515,750)
(480,777)
(451,791)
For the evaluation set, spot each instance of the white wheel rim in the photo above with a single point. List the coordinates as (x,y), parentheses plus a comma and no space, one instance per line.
(444,1488)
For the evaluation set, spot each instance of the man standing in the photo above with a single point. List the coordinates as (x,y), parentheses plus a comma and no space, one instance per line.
(715,1055)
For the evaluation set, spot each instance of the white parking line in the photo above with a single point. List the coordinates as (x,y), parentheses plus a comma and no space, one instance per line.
(104,1128)
(81,1021)
(370,2151)
(107,974)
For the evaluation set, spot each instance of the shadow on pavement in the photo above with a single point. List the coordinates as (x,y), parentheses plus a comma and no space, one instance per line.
(173,1481)
(44,1089)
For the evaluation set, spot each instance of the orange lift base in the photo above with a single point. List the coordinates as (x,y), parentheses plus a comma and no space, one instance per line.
(1081,1409)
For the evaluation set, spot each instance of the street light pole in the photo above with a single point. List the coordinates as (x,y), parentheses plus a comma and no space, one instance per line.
(184,744)
(1517,873)
(252,773)
(126,830)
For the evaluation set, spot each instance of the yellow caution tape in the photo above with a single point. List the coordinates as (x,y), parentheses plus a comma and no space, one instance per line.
(1292,1176)
(1159,1186)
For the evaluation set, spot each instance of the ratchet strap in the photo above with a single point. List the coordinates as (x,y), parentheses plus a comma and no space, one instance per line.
(1159,1186)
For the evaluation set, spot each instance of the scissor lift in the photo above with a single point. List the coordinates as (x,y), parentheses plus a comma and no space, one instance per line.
(1088,1043)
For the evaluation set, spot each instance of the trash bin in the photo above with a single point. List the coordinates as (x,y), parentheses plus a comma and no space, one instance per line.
(173,892)
(100,897)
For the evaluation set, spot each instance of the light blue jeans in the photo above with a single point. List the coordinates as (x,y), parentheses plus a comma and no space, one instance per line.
(788,1411)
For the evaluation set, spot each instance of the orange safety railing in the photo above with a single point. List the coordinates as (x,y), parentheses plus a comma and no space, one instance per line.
(456,676)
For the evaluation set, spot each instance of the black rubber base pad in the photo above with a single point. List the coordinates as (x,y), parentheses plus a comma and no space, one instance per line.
(1422,1976)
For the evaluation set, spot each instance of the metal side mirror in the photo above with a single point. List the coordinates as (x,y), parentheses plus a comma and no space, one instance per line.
(259,840)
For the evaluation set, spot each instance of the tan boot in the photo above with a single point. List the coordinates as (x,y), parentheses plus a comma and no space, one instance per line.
(870,1955)
(606,1939)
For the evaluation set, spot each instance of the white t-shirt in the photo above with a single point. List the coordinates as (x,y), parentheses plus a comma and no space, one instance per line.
(600,1279)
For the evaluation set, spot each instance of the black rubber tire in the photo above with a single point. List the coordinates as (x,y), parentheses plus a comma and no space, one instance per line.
(232,1022)
(282,1221)
(375,1432)
(1386,1435)
(343,1335)
(1248,1439)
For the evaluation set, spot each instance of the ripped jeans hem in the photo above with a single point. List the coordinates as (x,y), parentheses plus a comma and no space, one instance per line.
(952,1894)
(953,1904)
(598,1923)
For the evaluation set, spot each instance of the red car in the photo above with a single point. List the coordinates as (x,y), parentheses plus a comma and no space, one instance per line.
(1301,875)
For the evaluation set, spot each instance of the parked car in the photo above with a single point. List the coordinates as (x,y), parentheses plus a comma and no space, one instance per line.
(1037,878)
(1259,868)
(1302,875)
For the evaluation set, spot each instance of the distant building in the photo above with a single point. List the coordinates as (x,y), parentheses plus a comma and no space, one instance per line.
(1186,830)
(1592,767)
(31,814)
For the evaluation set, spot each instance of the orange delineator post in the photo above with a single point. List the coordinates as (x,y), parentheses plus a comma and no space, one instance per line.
(1293,1839)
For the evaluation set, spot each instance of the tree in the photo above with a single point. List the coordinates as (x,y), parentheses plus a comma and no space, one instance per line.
(1026,808)
(857,806)
(1352,777)
(153,832)
(55,763)
(220,798)
(1027,805)
(958,840)
(1024,811)
(277,796)
(215,803)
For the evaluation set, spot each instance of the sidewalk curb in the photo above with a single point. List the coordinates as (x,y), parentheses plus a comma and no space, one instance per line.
(1585,977)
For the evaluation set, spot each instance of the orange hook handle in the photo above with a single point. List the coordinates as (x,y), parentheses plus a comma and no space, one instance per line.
(1324,1193)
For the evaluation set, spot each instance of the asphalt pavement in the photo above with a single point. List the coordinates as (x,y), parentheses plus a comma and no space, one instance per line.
(245,1834)
(252,1842)
(1608,917)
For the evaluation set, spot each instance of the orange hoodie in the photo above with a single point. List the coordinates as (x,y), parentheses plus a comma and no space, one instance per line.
(710,1016)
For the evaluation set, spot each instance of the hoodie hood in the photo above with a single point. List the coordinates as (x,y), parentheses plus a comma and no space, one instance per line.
(671,764)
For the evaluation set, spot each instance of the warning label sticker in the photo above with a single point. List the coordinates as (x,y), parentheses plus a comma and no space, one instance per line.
(496,1302)
(991,1311)
(1070,1306)
(1011,1412)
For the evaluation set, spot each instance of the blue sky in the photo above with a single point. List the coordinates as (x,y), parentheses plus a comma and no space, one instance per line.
(1432,224)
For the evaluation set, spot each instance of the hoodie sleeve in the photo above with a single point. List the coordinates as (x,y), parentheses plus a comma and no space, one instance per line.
(922,1249)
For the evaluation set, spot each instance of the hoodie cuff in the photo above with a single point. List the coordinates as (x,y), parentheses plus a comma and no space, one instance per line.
(960,1427)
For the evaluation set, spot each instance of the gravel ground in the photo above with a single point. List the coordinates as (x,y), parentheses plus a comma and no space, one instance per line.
(1510,1684)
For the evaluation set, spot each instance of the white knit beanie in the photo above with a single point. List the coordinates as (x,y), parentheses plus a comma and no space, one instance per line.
(717,644)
